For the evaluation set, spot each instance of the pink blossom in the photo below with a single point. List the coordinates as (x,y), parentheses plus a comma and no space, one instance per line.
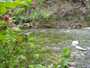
(1,28)
(52,57)
(11,24)
(32,3)
(6,18)
(16,42)
(70,65)
(25,36)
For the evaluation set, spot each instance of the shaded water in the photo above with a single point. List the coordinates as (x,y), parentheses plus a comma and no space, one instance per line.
(56,39)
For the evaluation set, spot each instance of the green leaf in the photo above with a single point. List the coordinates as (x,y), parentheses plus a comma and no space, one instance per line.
(27,0)
(15,28)
(27,33)
(1,35)
(39,66)
(66,53)
(46,54)
(65,63)
(22,9)
(7,4)
(50,66)
(17,0)
(64,49)
(31,66)
(10,4)
(14,56)
(3,52)
(26,39)
(10,35)
(36,57)
(33,46)
(22,57)
(2,9)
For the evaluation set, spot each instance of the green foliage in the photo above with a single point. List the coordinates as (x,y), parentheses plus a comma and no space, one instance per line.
(34,15)
(31,66)
(15,50)
(36,57)
(9,4)
(45,14)
(65,53)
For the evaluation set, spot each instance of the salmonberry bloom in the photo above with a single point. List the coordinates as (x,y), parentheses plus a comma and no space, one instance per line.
(1,28)
(70,65)
(52,57)
(25,36)
(16,42)
(6,18)
(11,24)
(32,3)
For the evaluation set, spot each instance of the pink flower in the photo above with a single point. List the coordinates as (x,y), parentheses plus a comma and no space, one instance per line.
(25,36)
(11,24)
(32,3)
(6,18)
(52,57)
(70,65)
(20,7)
(16,42)
(1,28)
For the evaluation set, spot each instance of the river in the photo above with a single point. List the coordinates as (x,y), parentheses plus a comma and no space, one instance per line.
(56,39)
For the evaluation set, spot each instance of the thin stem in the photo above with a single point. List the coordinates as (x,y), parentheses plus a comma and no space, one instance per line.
(10,55)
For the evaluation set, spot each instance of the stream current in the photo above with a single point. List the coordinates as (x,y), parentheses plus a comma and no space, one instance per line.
(56,39)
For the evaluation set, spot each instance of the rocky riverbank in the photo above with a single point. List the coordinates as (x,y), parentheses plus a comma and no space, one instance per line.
(54,14)
(38,25)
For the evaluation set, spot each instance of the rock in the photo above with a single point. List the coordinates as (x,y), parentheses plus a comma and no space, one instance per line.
(84,67)
(72,67)
(76,25)
(87,28)
(75,43)
(78,58)
(88,48)
(80,48)
(27,25)
(73,63)
(88,66)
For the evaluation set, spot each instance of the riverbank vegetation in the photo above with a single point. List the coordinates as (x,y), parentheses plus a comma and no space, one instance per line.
(18,50)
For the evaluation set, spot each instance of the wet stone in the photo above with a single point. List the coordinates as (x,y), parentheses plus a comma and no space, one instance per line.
(78,58)
(72,67)
(88,66)
(55,48)
(84,67)
(73,63)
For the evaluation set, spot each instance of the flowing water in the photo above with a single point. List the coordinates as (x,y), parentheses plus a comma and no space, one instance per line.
(56,39)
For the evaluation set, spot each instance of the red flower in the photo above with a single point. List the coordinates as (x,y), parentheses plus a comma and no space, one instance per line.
(32,3)
(6,18)
(1,28)
(11,24)
(25,36)
(70,65)
(52,57)
(16,42)
(14,31)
